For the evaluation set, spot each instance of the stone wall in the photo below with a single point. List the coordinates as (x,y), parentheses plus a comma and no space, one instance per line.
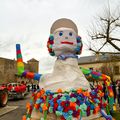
(8,70)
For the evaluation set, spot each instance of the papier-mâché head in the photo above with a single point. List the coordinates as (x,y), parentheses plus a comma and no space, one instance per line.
(64,38)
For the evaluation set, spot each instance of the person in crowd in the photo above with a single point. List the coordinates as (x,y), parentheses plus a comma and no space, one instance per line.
(118,94)
(114,90)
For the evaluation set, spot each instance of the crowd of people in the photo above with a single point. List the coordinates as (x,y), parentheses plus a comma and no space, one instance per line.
(32,87)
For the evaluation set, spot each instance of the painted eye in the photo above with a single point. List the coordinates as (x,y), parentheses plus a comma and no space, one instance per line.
(60,33)
(70,34)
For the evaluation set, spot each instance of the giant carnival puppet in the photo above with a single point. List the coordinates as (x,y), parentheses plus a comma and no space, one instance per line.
(65,94)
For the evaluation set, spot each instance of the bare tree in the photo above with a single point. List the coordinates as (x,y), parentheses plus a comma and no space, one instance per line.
(106,32)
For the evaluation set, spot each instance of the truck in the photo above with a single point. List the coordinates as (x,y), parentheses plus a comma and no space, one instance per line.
(3,95)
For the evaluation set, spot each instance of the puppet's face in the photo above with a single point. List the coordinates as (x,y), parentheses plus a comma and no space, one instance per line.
(64,41)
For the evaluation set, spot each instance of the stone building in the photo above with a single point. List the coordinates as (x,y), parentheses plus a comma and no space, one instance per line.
(8,70)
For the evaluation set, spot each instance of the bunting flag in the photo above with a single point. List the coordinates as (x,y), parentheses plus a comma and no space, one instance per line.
(20,66)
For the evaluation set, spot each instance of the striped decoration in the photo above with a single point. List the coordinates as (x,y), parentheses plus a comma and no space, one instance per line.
(20,66)
(106,79)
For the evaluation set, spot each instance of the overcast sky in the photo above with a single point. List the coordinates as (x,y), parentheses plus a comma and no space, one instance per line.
(28,22)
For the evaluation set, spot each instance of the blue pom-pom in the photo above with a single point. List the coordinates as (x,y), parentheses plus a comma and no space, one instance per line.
(48,92)
(38,101)
(60,108)
(51,103)
(59,101)
(67,97)
(37,76)
(66,115)
(78,39)
(92,107)
(40,109)
(51,37)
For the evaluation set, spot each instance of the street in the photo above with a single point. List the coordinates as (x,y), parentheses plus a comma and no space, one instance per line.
(16,109)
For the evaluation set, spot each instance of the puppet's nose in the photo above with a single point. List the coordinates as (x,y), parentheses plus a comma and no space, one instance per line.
(66,37)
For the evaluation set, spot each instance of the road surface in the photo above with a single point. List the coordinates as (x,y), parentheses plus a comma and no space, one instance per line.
(14,110)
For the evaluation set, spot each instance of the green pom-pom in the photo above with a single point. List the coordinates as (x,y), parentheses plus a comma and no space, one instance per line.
(55,95)
(83,113)
(77,107)
(50,46)
(58,113)
(69,118)
(97,101)
(52,54)
(72,90)
(73,99)
(42,105)
(51,109)
(63,98)
(70,112)
(83,106)
(91,111)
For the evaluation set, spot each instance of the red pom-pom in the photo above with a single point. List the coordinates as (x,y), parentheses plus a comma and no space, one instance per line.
(66,109)
(51,42)
(62,118)
(76,113)
(62,103)
(55,100)
(55,106)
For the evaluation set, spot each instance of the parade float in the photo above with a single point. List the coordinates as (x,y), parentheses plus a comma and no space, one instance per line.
(65,94)
(16,90)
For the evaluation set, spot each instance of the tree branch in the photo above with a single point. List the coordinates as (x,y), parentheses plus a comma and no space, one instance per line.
(115,46)
(111,38)
(102,46)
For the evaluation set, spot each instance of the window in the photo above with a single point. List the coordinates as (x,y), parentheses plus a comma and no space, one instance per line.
(116,70)
(91,68)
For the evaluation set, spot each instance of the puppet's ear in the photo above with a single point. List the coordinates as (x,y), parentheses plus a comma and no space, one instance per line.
(79,45)
(50,44)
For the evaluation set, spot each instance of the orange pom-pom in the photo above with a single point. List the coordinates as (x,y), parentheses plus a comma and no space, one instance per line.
(45,107)
(44,97)
(38,95)
(97,109)
(42,91)
(36,106)
(24,118)
(86,93)
(72,104)
(79,90)
(59,90)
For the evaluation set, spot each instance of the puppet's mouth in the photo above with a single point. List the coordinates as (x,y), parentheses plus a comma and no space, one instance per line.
(66,42)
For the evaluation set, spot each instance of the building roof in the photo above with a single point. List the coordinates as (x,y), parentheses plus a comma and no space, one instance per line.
(98,59)
(32,60)
(1,58)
